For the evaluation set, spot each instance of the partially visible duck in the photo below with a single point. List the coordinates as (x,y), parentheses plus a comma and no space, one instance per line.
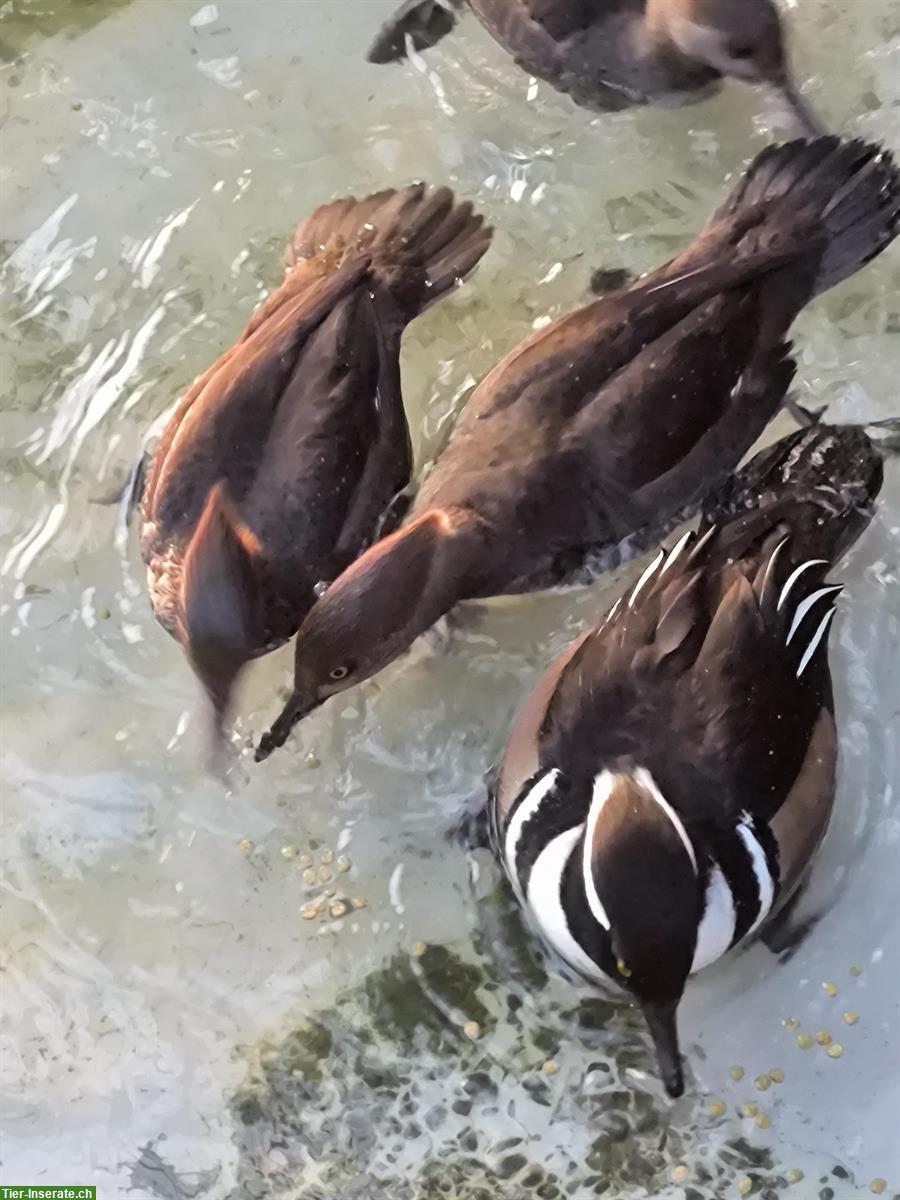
(283,459)
(605,427)
(608,54)
(668,781)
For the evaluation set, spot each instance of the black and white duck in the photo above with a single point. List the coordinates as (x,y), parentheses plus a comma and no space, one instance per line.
(601,431)
(282,461)
(608,54)
(667,782)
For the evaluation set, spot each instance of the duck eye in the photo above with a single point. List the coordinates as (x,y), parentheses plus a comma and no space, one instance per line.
(339,673)
(741,51)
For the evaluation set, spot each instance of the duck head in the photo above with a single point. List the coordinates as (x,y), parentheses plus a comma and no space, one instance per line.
(641,881)
(739,38)
(376,609)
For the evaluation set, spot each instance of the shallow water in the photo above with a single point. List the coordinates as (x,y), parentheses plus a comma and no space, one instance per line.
(171,1026)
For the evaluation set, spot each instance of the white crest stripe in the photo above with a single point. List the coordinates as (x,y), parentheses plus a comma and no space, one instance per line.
(612,612)
(794,576)
(676,550)
(526,809)
(764,883)
(816,638)
(545,902)
(646,780)
(805,605)
(716,930)
(695,550)
(603,786)
(773,558)
(642,582)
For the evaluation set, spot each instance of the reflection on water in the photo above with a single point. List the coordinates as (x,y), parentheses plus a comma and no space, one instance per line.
(175,1019)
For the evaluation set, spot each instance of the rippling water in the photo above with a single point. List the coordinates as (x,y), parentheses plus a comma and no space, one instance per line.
(171,1026)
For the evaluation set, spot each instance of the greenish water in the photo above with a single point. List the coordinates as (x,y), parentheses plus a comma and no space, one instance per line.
(171,1026)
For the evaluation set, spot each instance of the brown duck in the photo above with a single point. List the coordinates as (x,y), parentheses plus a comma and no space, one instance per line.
(666,784)
(608,54)
(610,424)
(282,461)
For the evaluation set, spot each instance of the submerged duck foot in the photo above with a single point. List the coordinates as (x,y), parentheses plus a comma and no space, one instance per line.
(887,434)
(805,417)
(440,638)
(127,496)
(394,513)
(424,21)
(471,829)
(787,931)
(609,279)
(785,939)
(466,616)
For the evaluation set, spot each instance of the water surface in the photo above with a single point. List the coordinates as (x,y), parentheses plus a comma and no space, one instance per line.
(171,1025)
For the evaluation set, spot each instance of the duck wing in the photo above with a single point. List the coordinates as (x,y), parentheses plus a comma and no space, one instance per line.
(714,665)
(338,449)
(612,421)
(219,428)
(686,407)
(710,673)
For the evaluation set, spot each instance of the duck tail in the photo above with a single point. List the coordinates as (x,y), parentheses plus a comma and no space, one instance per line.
(421,242)
(823,479)
(219,601)
(843,197)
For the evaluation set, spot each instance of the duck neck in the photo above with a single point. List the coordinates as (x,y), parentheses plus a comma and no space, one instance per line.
(653,32)
(400,587)
(449,548)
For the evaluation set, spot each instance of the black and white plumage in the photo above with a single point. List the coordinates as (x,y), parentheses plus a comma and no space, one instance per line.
(666,784)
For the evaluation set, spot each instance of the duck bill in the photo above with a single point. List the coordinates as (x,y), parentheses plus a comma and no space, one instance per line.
(786,94)
(218,753)
(661,1021)
(298,706)
(218,674)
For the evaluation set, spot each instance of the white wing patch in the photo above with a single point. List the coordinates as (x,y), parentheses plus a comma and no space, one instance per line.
(647,782)
(527,808)
(794,576)
(805,605)
(702,542)
(816,638)
(545,902)
(773,558)
(645,577)
(764,882)
(676,550)
(612,612)
(719,919)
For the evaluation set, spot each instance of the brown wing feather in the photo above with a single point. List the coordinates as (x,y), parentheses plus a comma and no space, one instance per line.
(230,406)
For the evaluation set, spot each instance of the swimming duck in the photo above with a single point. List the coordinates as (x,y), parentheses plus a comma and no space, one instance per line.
(605,428)
(608,54)
(282,461)
(668,781)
